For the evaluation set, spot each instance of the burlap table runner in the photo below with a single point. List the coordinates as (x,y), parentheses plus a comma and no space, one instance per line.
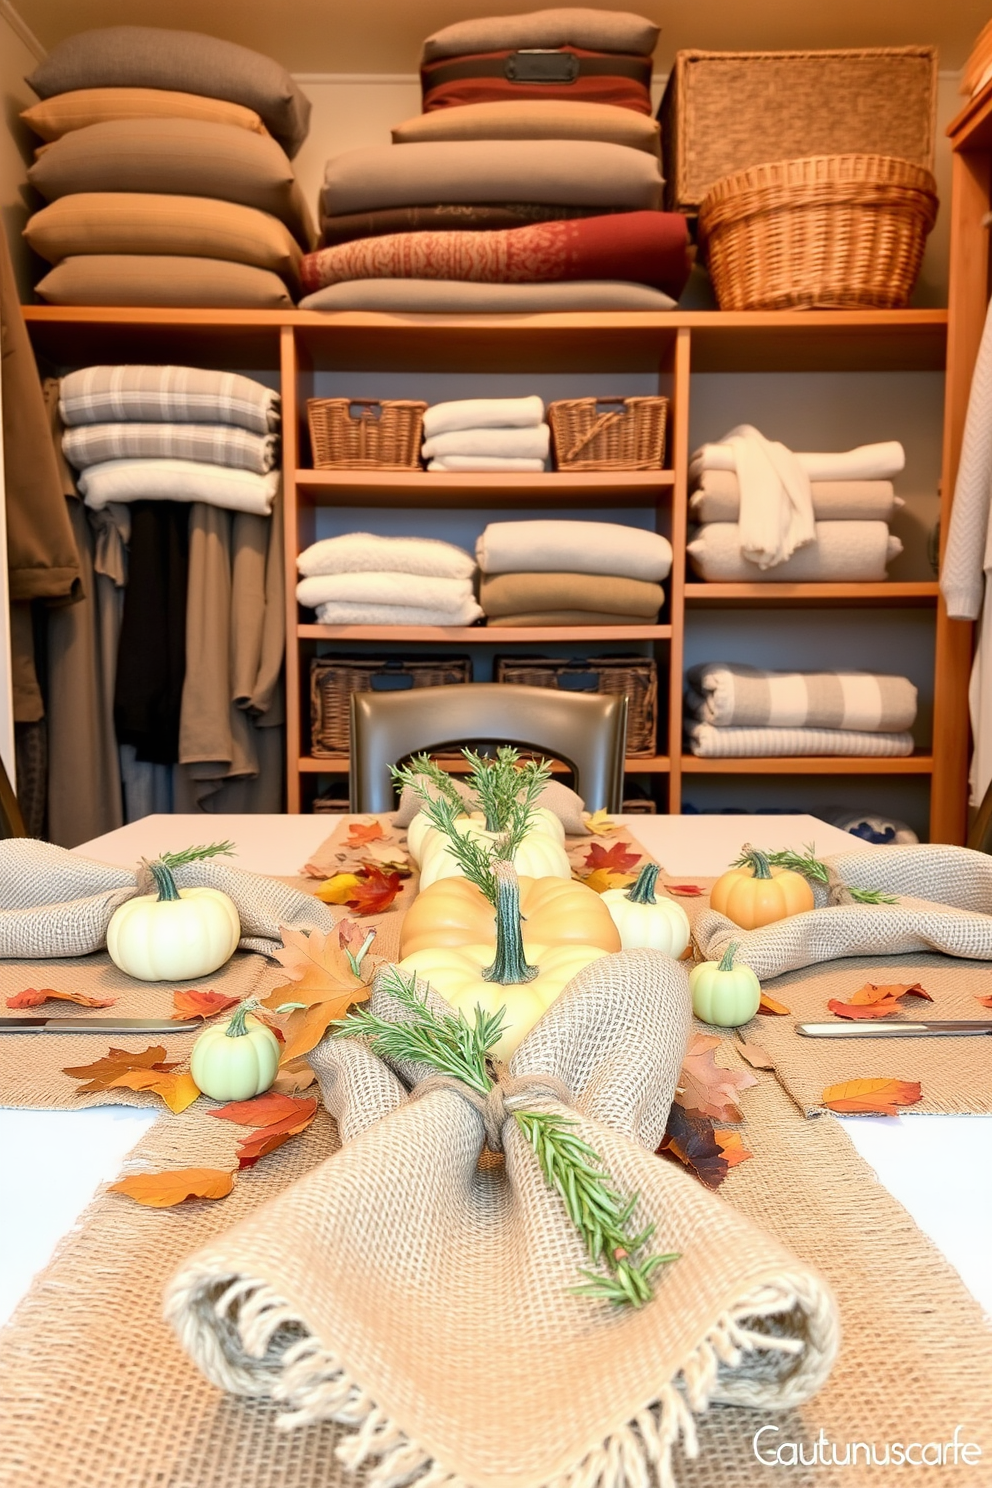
(88,1352)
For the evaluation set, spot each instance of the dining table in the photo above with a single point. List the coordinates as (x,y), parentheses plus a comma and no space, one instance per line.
(52,1162)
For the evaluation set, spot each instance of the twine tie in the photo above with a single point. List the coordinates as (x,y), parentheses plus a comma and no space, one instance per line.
(510,1094)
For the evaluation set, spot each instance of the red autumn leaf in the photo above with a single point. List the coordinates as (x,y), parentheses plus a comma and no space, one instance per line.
(691,1139)
(193,1004)
(374,892)
(684,891)
(268,1138)
(769,1005)
(264,1110)
(359,833)
(617,857)
(871,1097)
(35,996)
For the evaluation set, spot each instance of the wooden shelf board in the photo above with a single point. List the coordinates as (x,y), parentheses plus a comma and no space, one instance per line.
(339,764)
(817,340)
(484,635)
(911,594)
(79,335)
(483,488)
(971,129)
(813,764)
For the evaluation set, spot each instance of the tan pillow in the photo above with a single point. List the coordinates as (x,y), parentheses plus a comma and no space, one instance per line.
(54,117)
(187,226)
(538,118)
(182,157)
(593,30)
(192,283)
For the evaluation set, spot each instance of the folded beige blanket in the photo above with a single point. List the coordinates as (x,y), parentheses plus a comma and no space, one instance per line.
(717,498)
(513,593)
(514,443)
(422,1295)
(523,464)
(429,593)
(348,612)
(577,26)
(843,552)
(730,694)
(709,742)
(459,297)
(561,617)
(574,547)
(462,414)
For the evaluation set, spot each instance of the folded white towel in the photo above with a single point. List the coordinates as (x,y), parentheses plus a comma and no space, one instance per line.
(483,413)
(341,613)
(844,552)
(448,595)
(179,480)
(364,552)
(530,443)
(485,462)
(549,546)
(866,462)
(776,504)
(710,742)
(718,499)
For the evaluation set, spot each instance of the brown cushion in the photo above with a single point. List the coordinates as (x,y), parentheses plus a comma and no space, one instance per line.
(193,283)
(460,297)
(599,30)
(606,594)
(534,119)
(181,157)
(187,61)
(189,226)
(54,117)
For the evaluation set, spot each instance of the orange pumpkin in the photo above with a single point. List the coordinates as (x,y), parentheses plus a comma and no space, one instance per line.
(556,911)
(753,893)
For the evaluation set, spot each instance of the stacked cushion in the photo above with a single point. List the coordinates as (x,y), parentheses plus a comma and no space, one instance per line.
(157,195)
(542,118)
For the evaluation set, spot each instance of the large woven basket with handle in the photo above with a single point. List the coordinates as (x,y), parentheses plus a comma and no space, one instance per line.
(608,433)
(827,232)
(366,433)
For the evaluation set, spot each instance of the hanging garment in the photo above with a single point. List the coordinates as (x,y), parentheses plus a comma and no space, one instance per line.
(152,655)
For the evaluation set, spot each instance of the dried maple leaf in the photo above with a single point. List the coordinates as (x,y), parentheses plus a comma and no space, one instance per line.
(317,966)
(769,1005)
(704,1086)
(385,860)
(306,1027)
(268,1138)
(295,1076)
(756,1056)
(102,1072)
(619,857)
(351,937)
(374,892)
(35,996)
(602,879)
(731,1146)
(690,1138)
(598,822)
(871,1097)
(163,1190)
(335,890)
(193,1004)
(361,832)
(683,891)
(264,1110)
(883,1009)
(985,1001)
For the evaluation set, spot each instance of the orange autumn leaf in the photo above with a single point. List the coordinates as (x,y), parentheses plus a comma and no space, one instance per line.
(264,1110)
(985,1001)
(193,1004)
(164,1190)
(101,1074)
(617,858)
(871,1097)
(870,993)
(883,1009)
(706,1087)
(35,996)
(267,1138)
(317,966)
(306,1027)
(731,1147)
(602,879)
(178,1091)
(769,1005)
(359,833)
(374,892)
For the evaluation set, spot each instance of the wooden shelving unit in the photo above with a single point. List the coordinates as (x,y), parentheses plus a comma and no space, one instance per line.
(298,346)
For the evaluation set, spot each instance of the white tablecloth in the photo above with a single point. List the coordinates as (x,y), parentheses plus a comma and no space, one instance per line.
(51,1162)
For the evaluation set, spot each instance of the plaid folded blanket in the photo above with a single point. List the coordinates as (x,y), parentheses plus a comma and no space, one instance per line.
(739,743)
(213,444)
(181,395)
(730,695)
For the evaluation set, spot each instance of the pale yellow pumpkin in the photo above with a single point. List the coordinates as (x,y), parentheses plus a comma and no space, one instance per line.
(555,911)
(538,856)
(753,893)
(424,839)
(644,920)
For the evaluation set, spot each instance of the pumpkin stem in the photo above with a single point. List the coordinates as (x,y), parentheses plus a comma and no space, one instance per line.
(510,966)
(642,891)
(164,881)
(756,860)
(236,1028)
(727,960)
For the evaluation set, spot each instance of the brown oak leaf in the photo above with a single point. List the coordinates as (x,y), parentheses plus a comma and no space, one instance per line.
(704,1086)
(295,1076)
(756,1056)
(619,857)
(690,1139)
(871,1097)
(164,1190)
(193,1004)
(359,833)
(35,996)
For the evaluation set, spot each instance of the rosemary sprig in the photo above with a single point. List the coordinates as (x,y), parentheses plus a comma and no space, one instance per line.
(453,1046)
(197,854)
(811,867)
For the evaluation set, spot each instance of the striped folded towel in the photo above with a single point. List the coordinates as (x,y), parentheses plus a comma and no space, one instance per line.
(731,695)
(738,743)
(186,395)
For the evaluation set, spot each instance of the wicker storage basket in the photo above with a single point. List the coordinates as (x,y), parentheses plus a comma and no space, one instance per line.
(366,433)
(725,111)
(608,433)
(633,676)
(334,678)
(830,232)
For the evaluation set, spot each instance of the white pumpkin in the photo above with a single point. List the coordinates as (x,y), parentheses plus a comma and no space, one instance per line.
(174,935)
(235,1061)
(644,920)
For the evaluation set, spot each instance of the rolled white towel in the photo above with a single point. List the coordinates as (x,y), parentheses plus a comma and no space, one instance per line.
(179,480)
(483,413)
(709,742)
(843,552)
(365,552)
(342,613)
(485,462)
(530,443)
(866,462)
(550,546)
(448,595)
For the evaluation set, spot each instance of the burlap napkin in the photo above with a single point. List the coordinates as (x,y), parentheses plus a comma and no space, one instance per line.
(423,1297)
(945,904)
(55,903)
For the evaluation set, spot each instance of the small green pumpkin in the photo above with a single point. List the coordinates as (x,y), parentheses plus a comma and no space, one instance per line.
(724,994)
(236,1062)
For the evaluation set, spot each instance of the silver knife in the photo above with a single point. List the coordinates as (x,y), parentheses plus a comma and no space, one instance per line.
(957,1028)
(96,1025)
